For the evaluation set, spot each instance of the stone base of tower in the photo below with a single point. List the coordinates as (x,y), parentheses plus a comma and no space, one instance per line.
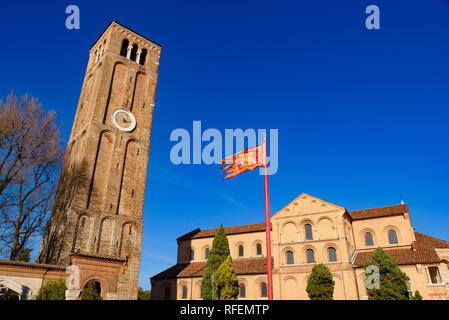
(102,247)
(106,272)
(112,276)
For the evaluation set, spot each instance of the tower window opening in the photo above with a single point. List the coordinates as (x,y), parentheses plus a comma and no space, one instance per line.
(143,56)
(124,48)
(133,52)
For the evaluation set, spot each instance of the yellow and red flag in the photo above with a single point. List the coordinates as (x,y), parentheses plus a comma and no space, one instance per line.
(248,159)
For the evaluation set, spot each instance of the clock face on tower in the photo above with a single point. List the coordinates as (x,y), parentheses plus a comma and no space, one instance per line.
(123,119)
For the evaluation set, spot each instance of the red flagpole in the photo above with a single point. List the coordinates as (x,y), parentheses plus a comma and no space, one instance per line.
(267,225)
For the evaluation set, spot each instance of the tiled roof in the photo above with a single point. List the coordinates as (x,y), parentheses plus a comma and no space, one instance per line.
(98,256)
(32,265)
(428,241)
(424,253)
(196,269)
(378,212)
(198,233)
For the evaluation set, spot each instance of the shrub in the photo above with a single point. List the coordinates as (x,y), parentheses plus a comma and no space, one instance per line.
(90,292)
(320,285)
(53,290)
(143,294)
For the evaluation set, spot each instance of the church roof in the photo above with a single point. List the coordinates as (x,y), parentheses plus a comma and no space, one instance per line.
(422,251)
(196,269)
(246,228)
(378,212)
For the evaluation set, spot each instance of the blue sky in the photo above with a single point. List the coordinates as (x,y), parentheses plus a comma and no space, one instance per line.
(362,114)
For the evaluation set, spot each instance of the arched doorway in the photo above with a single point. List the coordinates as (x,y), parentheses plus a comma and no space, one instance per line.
(91,291)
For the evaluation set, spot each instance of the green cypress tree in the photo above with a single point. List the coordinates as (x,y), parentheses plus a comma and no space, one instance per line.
(218,254)
(320,285)
(391,278)
(227,285)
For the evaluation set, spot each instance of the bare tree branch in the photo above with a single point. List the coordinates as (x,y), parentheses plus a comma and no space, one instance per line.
(31,155)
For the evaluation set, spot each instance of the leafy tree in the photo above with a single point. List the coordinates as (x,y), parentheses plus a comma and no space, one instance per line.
(417,296)
(24,255)
(143,294)
(227,285)
(53,290)
(218,254)
(90,292)
(320,285)
(391,278)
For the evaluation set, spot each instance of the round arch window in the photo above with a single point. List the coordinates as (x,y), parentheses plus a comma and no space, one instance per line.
(289,257)
(310,256)
(392,237)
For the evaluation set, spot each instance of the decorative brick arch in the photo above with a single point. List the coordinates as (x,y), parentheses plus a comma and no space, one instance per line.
(203,252)
(284,254)
(304,252)
(254,247)
(394,228)
(325,231)
(302,229)
(124,236)
(289,231)
(196,294)
(326,252)
(236,248)
(105,236)
(100,177)
(80,238)
(102,281)
(373,235)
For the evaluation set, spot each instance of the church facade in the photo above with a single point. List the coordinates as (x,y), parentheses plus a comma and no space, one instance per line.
(94,234)
(309,231)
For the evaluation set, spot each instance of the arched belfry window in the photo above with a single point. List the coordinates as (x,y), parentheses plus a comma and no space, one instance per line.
(309,235)
(143,56)
(289,257)
(134,52)
(392,237)
(241,251)
(369,239)
(124,48)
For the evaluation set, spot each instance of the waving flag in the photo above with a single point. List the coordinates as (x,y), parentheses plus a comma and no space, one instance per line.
(248,159)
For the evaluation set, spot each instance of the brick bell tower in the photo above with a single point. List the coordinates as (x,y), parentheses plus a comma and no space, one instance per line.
(96,222)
